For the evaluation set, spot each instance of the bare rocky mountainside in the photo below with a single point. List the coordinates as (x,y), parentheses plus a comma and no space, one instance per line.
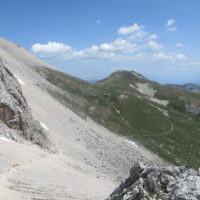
(173,183)
(48,151)
(16,120)
(64,138)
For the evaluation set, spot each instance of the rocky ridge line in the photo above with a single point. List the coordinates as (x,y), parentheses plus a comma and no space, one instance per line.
(16,120)
(153,183)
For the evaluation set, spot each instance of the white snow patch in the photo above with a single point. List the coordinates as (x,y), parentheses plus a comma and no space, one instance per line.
(137,75)
(44,126)
(145,89)
(159,101)
(118,111)
(131,142)
(132,86)
(123,96)
(19,80)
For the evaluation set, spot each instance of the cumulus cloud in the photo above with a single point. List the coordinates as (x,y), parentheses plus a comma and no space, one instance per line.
(179,45)
(113,50)
(133,44)
(172,29)
(138,36)
(50,47)
(119,44)
(154,45)
(104,50)
(179,56)
(170,22)
(153,37)
(124,30)
(172,56)
(162,56)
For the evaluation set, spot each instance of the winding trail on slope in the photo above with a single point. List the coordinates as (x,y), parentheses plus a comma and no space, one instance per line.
(160,134)
(157,134)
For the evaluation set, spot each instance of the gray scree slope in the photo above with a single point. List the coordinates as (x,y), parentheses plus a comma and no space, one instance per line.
(89,160)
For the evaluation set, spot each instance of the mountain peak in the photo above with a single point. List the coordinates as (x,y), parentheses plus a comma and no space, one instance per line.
(127,72)
(124,76)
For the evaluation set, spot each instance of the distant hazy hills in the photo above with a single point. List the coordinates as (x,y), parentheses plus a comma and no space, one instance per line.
(188,86)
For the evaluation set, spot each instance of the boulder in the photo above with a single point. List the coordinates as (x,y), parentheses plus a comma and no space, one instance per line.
(164,183)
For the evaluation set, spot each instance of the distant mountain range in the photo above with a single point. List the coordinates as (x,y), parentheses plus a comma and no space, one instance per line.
(92,80)
(188,86)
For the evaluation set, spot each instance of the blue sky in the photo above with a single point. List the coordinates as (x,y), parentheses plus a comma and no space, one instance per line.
(93,38)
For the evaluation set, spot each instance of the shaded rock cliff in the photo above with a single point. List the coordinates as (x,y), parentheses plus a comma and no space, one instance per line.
(16,120)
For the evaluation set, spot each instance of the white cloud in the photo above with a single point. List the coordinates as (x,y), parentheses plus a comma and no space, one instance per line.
(133,44)
(123,45)
(98,21)
(153,37)
(124,30)
(172,29)
(107,47)
(179,56)
(179,45)
(172,56)
(50,47)
(162,56)
(154,45)
(114,50)
(170,22)
(118,44)
(138,36)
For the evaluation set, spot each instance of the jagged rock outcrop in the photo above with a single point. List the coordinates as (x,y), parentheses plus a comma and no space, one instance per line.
(192,108)
(16,120)
(170,183)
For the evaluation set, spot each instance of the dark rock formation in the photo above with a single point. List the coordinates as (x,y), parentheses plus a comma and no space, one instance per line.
(170,183)
(16,120)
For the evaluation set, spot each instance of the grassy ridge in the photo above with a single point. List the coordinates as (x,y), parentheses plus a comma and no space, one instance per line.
(122,109)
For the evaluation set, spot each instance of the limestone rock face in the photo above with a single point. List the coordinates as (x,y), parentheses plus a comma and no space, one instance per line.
(170,183)
(16,120)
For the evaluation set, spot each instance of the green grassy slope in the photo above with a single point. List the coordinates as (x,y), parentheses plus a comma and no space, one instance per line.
(171,131)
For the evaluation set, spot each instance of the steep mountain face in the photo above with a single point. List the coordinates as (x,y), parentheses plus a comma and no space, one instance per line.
(16,120)
(169,183)
(189,87)
(162,118)
(89,160)
(140,112)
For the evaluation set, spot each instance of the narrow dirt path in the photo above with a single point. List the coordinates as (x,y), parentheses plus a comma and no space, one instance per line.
(160,134)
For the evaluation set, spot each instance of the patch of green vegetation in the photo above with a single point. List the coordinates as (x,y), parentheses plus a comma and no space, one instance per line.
(119,198)
(158,195)
(176,137)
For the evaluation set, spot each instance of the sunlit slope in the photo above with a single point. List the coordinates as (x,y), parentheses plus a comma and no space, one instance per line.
(163,119)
